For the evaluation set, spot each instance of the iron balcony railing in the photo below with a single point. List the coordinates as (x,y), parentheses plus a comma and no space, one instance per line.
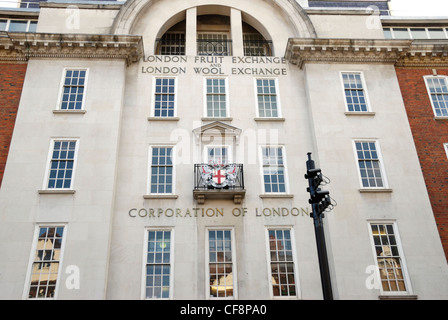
(218,176)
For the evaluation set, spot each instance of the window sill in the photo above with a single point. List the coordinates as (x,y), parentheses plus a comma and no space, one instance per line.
(59,111)
(56,191)
(384,190)
(216,119)
(163,118)
(160,196)
(277,196)
(441,118)
(269,119)
(398,297)
(359,113)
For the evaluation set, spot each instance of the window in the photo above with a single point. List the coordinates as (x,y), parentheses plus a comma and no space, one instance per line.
(267,98)
(158,264)
(213,44)
(46,260)
(281,263)
(62,164)
(438,92)
(161,180)
(218,155)
(255,45)
(73,89)
(273,170)
(221,259)
(416,33)
(389,258)
(18,25)
(355,95)
(216,98)
(165,93)
(369,164)
(172,43)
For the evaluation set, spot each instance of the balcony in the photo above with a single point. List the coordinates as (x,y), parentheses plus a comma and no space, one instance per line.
(218,181)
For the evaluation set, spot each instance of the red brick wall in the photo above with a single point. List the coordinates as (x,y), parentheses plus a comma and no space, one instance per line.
(11,83)
(429,136)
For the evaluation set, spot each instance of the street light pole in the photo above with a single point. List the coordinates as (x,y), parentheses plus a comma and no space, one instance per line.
(320,201)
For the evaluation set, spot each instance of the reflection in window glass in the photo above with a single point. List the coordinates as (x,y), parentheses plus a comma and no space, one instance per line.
(158,264)
(419,33)
(18,25)
(281,263)
(387,33)
(33,26)
(401,33)
(3,25)
(436,33)
(220,263)
(388,257)
(44,272)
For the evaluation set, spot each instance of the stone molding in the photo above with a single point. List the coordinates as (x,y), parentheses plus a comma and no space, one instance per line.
(401,53)
(20,46)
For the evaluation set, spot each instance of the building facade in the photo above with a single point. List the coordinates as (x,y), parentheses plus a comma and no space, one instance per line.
(159,153)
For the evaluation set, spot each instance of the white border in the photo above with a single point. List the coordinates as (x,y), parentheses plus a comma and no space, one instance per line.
(153,95)
(381,161)
(364,89)
(429,92)
(226,88)
(234,263)
(33,253)
(285,168)
(61,89)
(400,252)
(50,156)
(294,259)
(173,161)
(145,251)
(277,91)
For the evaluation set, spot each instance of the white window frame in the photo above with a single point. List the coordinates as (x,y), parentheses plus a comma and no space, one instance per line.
(445,145)
(404,268)
(32,257)
(49,159)
(61,90)
(285,170)
(277,95)
(145,262)
(294,261)
(364,89)
(226,88)
(173,161)
(153,105)
(429,92)
(380,160)
(234,264)
(392,31)
(8,23)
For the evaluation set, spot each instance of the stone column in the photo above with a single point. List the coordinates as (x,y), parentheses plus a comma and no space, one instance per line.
(190,32)
(236,31)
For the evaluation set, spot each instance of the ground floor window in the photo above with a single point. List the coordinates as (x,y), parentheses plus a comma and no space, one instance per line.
(221,260)
(46,262)
(158,264)
(281,263)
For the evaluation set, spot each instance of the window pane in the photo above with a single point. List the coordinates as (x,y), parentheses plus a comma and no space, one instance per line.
(419,33)
(45,267)
(220,263)
(401,33)
(436,33)
(158,265)
(161,170)
(18,25)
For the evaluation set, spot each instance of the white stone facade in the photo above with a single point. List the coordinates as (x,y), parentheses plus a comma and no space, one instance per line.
(110,207)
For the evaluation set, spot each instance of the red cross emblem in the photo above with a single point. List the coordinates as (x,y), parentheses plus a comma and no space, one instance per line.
(218,176)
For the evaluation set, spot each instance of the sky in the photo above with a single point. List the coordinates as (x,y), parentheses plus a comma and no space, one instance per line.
(419,7)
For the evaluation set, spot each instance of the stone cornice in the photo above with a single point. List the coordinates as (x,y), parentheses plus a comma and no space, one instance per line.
(300,51)
(18,46)
(401,53)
